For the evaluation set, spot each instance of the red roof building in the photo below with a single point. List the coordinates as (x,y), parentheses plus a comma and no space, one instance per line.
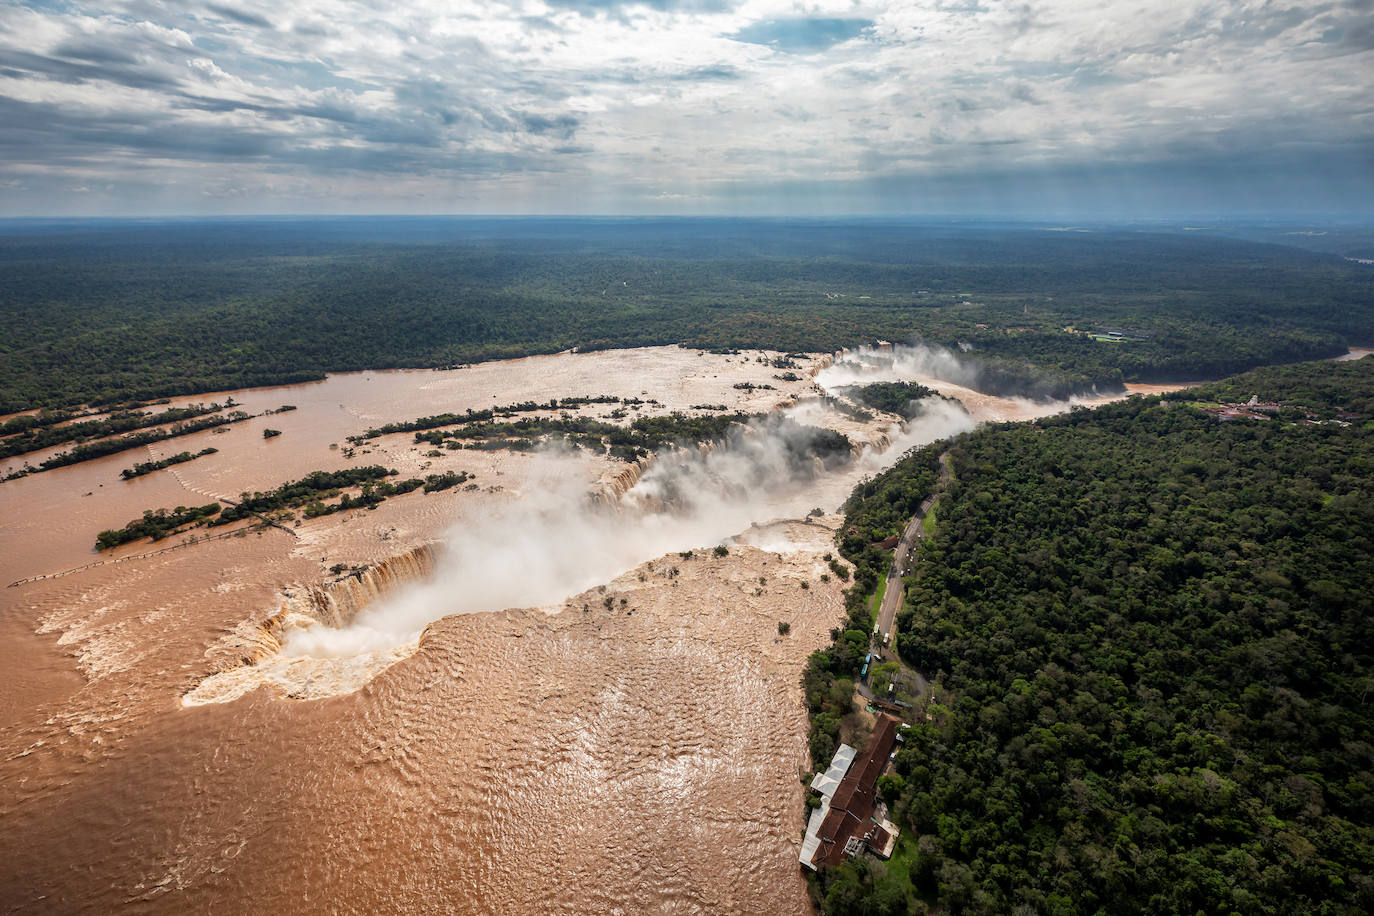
(845,824)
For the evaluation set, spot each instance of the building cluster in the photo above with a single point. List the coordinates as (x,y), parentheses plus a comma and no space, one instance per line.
(851,817)
(1254,410)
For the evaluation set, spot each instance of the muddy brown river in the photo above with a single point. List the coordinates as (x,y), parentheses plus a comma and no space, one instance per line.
(633,742)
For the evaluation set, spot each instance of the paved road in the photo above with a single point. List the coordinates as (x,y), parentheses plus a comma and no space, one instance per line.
(901,560)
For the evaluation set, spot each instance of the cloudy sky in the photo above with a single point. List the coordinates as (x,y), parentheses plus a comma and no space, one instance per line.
(1093,107)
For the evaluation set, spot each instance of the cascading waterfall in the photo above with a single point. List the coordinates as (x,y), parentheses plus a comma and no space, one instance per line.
(611,488)
(336,603)
(333,603)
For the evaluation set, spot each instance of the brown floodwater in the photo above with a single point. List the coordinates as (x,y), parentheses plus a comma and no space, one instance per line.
(635,746)
(1353,353)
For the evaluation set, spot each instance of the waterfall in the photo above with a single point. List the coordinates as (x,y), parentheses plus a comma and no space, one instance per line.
(338,601)
(334,602)
(823,362)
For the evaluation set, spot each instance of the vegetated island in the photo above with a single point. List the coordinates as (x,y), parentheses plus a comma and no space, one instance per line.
(184,421)
(898,398)
(801,444)
(122,312)
(35,432)
(148,467)
(1147,637)
(626,442)
(274,506)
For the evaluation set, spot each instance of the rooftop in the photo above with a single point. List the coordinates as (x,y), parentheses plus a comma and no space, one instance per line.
(846,813)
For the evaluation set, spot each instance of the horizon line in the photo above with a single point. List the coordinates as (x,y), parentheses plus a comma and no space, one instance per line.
(1068,220)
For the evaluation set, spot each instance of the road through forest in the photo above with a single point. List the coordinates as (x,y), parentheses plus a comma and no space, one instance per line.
(901,559)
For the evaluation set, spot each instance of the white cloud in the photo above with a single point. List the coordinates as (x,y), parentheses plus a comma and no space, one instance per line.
(625,99)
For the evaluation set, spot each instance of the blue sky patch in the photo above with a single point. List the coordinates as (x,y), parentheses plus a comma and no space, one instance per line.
(802,34)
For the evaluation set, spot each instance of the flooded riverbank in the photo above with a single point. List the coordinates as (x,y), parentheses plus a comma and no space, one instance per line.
(631,743)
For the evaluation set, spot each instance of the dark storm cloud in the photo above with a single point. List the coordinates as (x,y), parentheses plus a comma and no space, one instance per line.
(111,66)
(94,52)
(27,128)
(65,137)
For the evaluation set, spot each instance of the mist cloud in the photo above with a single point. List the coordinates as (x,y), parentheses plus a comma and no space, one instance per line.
(553,542)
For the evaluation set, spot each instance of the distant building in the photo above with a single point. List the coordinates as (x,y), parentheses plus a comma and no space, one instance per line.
(848,821)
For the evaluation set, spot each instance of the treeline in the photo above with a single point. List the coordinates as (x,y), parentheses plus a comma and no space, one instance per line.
(891,397)
(156,524)
(1339,390)
(309,493)
(102,447)
(642,436)
(142,312)
(147,467)
(628,443)
(297,493)
(651,433)
(479,416)
(374,493)
(829,675)
(878,508)
(1149,643)
(46,435)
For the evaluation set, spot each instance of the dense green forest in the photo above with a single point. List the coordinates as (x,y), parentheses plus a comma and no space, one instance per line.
(1148,636)
(108,313)
(893,397)
(1337,390)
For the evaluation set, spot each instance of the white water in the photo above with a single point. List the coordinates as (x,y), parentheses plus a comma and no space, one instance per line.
(552,543)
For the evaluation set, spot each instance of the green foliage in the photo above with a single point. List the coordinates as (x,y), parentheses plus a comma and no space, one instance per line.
(155,524)
(478,416)
(28,438)
(436,482)
(308,492)
(1152,630)
(99,448)
(147,467)
(669,429)
(893,397)
(880,507)
(801,444)
(271,433)
(1338,390)
(110,315)
(102,447)
(311,486)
